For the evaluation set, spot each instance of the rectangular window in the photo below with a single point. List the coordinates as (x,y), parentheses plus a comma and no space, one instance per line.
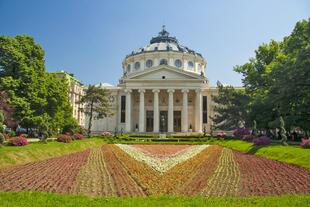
(205,109)
(123,109)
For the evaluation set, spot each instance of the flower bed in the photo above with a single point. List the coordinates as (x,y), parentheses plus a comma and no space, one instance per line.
(261,176)
(53,175)
(21,140)
(162,165)
(305,143)
(263,140)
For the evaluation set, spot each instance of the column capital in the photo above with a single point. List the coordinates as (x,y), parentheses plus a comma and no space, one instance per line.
(155,90)
(170,90)
(141,90)
(127,90)
(184,90)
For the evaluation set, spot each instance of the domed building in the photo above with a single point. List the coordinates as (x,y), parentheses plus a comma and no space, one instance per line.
(163,89)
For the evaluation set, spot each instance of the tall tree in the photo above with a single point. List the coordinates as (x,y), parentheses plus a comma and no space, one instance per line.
(230,108)
(96,104)
(277,80)
(36,95)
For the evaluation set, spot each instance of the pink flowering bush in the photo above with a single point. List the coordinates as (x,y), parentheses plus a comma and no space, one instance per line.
(240,132)
(305,143)
(19,141)
(64,138)
(248,138)
(221,134)
(78,136)
(106,134)
(263,140)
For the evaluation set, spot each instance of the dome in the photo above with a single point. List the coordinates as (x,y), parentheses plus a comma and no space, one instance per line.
(164,50)
(163,43)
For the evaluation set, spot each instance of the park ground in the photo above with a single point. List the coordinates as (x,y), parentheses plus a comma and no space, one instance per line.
(39,154)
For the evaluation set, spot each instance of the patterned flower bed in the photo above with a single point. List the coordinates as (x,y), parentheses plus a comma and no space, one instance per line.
(142,170)
(162,164)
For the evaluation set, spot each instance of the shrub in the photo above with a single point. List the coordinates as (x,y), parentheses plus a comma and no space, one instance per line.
(64,138)
(106,134)
(240,132)
(1,138)
(19,141)
(263,140)
(248,138)
(221,134)
(305,143)
(78,136)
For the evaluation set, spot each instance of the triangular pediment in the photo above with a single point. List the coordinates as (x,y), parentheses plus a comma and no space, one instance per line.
(166,72)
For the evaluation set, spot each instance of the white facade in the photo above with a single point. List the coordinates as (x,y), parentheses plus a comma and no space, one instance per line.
(163,89)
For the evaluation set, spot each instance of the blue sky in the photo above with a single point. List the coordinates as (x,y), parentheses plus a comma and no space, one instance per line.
(90,38)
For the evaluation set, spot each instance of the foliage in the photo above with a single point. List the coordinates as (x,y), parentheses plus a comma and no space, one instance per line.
(230,108)
(18,141)
(7,110)
(254,129)
(277,80)
(96,104)
(36,95)
(64,138)
(262,140)
(305,143)
(1,138)
(240,132)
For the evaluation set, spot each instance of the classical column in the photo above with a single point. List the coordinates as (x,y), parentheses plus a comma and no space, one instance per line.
(185,111)
(141,111)
(198,111)
(156,111)
(128,110)
(170,110)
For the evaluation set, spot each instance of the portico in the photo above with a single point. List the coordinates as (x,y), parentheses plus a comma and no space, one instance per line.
(166,110)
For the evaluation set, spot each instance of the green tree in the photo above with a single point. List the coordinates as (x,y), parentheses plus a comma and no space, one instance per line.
(33,92)
(230,108)
(96,104)
(277,80)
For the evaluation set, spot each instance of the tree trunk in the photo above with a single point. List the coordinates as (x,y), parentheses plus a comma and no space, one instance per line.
(90,119)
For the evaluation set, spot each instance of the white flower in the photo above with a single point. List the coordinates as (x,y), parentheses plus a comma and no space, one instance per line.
(162,164)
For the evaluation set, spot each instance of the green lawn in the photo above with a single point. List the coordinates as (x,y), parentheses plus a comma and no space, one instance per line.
(293,154)
(35,199)
(10,155)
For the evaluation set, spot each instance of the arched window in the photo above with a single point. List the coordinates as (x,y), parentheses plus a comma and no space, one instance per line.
(178,63)
(163,62)
(149,63)
(137,65)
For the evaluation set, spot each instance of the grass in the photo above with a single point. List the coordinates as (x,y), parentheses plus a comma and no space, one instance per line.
(293,154)
(11,155)
(36,199)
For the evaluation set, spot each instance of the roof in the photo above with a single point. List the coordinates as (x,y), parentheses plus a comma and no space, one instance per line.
(163,43)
